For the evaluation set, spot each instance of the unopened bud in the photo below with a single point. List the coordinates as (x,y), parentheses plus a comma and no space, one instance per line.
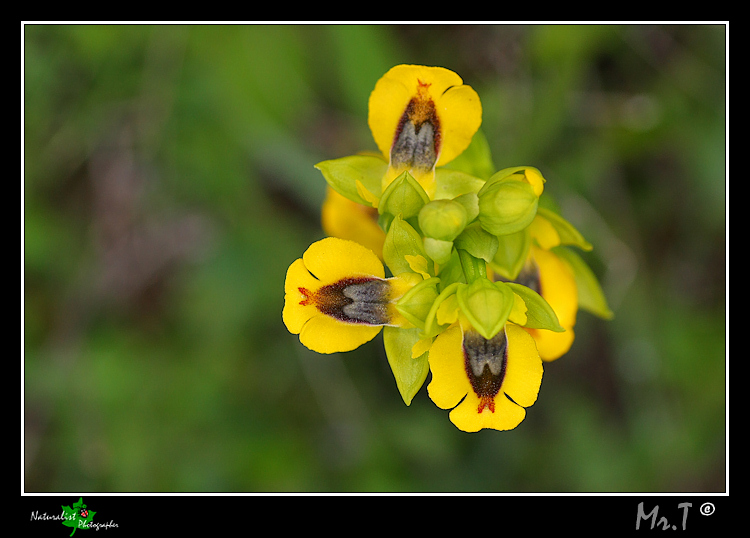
(404,196)
(442,219)
(507,206)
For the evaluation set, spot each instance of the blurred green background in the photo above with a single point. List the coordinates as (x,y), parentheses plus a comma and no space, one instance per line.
(169,183)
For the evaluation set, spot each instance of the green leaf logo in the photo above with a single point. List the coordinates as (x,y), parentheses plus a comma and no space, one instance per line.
(78,516)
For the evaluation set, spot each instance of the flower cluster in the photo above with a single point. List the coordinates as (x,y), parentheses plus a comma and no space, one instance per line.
(468,276)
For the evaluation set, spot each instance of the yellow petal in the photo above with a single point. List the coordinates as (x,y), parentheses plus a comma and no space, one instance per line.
(394,91)
(421,347)
(418,264)
(328,335)
(457,106)
(439,78)
(297,276)
(460,113)
(295,314)
(544,233)
(557,285)
(449,382)
(518,313)
(523,371)
(332,259)
(552,345)
(402,283)
(535,179)
(450,385)
(386,106)
(447,312)
(506,416)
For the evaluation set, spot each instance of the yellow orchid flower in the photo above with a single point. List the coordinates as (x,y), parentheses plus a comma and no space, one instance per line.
(422,117)
(551,277)
(486,383)
(337,297)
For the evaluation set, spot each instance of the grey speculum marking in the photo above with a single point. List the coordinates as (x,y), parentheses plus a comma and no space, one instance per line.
(369,302)
(415,146)
(481,353)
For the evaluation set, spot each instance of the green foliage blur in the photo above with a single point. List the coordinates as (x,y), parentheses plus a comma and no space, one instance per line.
(169,183)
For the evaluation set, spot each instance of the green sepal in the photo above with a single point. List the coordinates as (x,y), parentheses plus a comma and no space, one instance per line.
(450,184)
(539,314)
(512,251)
(476,159)
(590,294)
(343,174)
(507,206)
(402,240)
(439,251)
(415,305)
(404,196)
(569,235)
(478,242)
(410,373)
(486,305)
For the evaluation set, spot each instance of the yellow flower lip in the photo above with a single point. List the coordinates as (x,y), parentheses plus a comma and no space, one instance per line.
(337,297)
(486,383)
(556,283)
(422,117)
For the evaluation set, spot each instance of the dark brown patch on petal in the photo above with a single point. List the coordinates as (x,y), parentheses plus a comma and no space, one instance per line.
(417,140)
(485,362)
(352,300)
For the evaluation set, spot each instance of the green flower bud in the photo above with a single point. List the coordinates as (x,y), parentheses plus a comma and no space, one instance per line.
(404,196)
(486,304)
(507,206)
(442,219)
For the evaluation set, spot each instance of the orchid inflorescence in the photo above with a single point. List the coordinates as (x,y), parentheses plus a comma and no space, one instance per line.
(468,276)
